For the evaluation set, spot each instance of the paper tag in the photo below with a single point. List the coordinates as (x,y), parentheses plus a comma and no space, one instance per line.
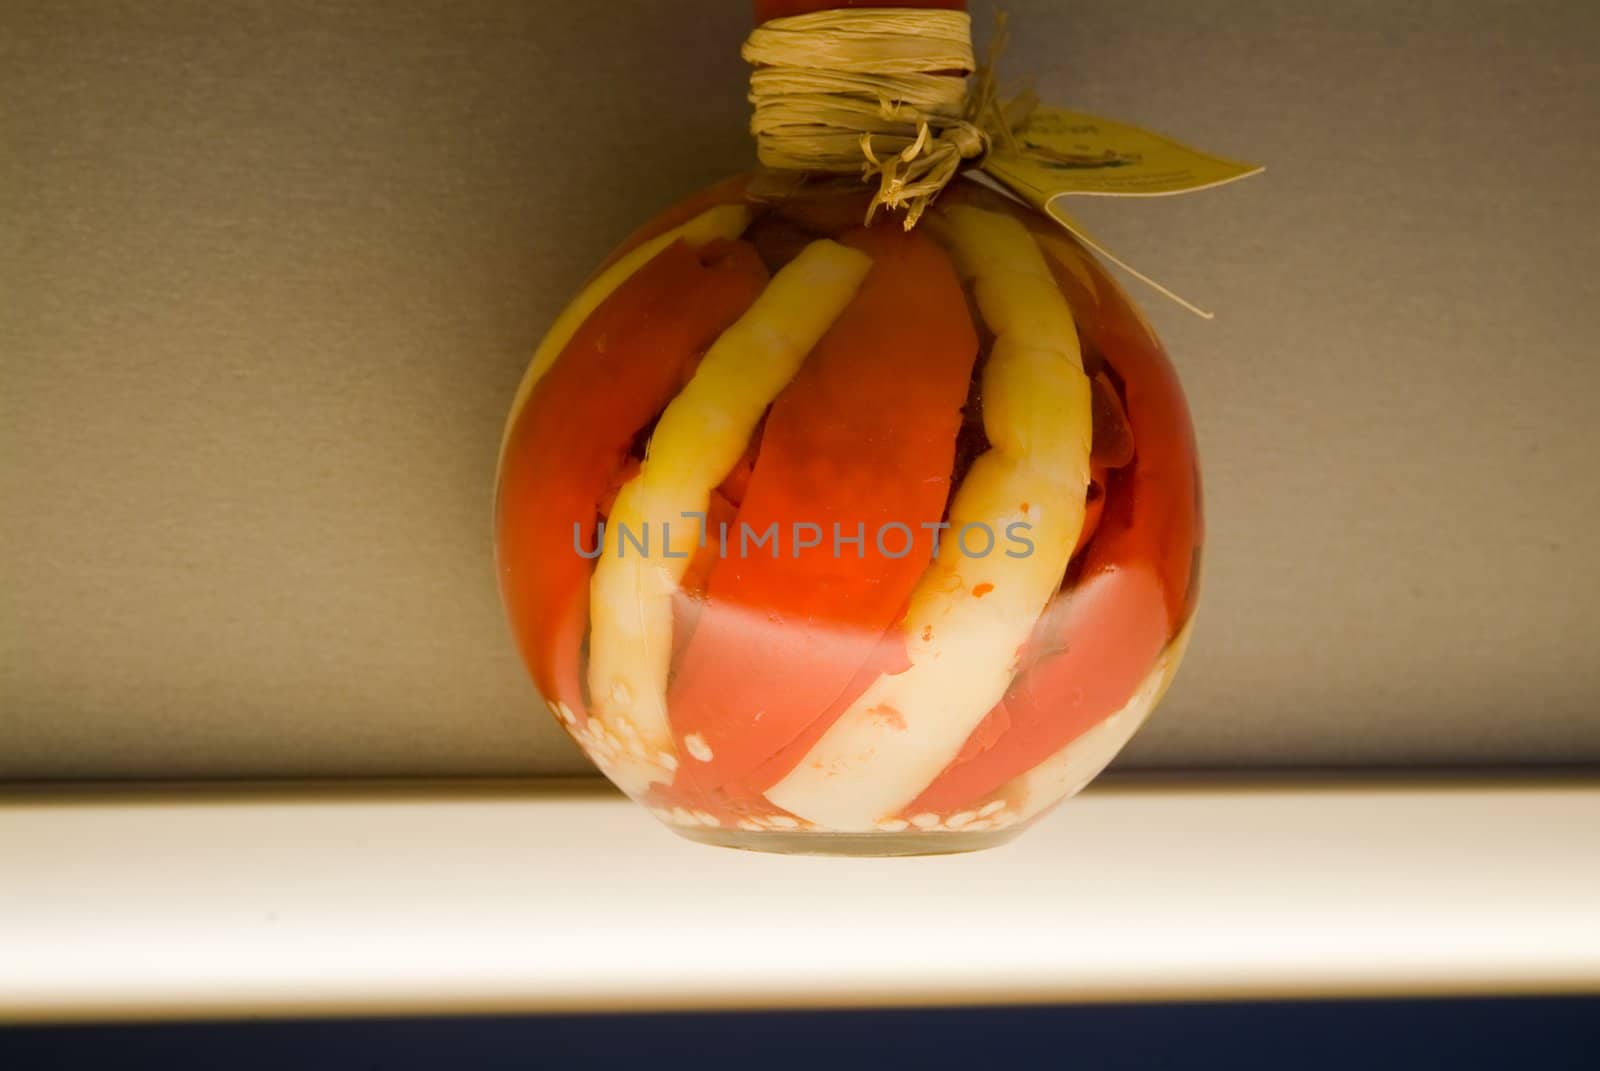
(1062,154)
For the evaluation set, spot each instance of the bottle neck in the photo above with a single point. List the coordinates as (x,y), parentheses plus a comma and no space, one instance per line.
(876,91)
(782,9)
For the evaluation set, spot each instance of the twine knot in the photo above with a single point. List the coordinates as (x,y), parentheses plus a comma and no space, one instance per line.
(896,95)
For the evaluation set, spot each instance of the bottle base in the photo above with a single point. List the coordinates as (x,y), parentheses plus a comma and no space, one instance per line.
(909,842)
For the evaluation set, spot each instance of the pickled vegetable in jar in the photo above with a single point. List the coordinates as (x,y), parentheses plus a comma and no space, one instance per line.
(822,533)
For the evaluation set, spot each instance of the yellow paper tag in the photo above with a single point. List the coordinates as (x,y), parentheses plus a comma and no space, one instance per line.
(1063,154)
(1060,153)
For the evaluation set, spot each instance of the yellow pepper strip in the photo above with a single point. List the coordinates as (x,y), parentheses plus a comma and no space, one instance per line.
(724,221)
(700,437)
(971,612)
(1065,773)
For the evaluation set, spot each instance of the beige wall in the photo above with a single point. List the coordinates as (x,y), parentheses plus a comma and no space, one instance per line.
(269,273)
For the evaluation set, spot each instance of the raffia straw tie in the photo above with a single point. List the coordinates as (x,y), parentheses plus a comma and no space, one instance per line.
(851,90)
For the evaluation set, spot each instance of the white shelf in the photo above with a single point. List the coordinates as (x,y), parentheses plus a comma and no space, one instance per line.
(452,898)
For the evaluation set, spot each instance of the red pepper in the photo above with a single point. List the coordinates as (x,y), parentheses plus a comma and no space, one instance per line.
(1167,514)
(730,191)
(1164,481)
(1096,643)
(571,440)
(1112,449)
(863,437)
(1093,649)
